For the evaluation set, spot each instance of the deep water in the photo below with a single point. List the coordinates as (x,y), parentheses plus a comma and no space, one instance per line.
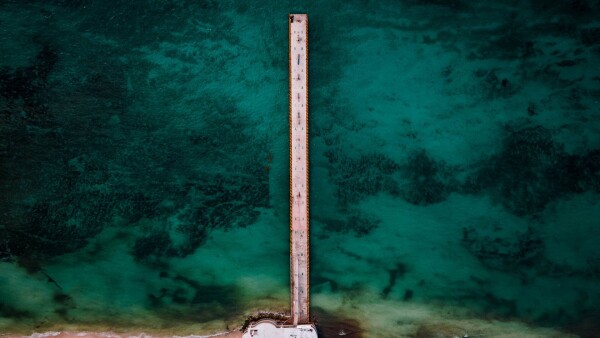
(455,166)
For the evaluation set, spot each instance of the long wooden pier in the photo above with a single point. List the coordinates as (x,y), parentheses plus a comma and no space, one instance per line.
(299,210)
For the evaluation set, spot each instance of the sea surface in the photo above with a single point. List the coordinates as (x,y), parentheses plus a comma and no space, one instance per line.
(455,166)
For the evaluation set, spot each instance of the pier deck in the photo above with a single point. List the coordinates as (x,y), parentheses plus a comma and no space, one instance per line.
(299,211)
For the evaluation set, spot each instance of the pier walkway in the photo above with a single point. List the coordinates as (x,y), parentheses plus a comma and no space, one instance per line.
(299,212)
(300,326)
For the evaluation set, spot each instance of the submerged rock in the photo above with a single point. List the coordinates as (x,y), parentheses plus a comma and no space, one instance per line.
(502,248)
(532,170)
(430,181)
(357,178)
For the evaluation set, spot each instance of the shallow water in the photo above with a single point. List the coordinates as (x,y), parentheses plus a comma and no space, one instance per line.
(455,166)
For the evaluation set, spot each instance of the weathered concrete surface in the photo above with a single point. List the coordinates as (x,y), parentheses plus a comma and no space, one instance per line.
(270,329)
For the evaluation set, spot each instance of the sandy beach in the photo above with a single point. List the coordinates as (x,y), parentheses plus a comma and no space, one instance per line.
(235,334)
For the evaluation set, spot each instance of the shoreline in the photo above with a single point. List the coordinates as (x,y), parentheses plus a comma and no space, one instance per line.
(364,319)
(109,334)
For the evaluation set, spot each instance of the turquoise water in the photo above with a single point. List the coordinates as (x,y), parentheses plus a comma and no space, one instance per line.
(455,166)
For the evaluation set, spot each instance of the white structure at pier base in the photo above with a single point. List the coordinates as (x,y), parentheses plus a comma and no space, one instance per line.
(270,329)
